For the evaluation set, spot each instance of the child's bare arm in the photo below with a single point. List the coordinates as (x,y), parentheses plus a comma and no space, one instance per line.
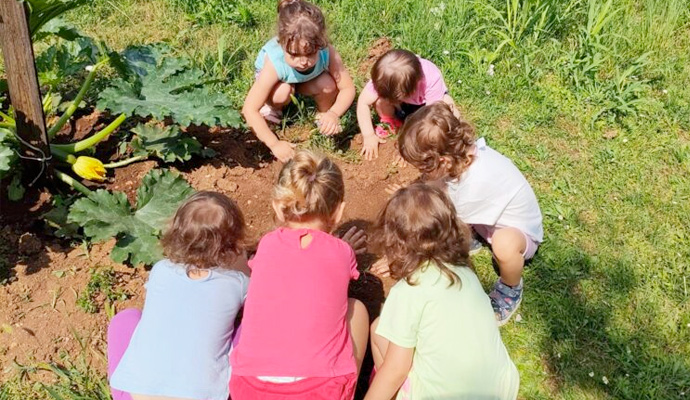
(256,98)
(329,121)
(370,147)
(396,366)
(343,80)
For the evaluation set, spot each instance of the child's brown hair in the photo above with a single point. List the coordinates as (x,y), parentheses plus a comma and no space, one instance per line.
(396,75)
(309,186)
(207,231)
(301,27)
(417,226)
(436,142)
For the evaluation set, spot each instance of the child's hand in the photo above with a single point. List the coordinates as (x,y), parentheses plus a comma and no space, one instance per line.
(370,147)
(328,123)
(381,267)
(400,162)
(283,150)
(357,239)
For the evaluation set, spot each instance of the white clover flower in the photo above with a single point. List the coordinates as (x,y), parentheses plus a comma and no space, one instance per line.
(491,71)
(558,355)
(625,140)
(605,380)
(591,374)
(560,218)
(488,92)
(442,6)
(664,91)
(459,80)
(89,68)
(518,65)
(446,52)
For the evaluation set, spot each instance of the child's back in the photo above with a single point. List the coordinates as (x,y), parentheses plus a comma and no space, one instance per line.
(493,191)
(294,322)
(184,332)
(458,349)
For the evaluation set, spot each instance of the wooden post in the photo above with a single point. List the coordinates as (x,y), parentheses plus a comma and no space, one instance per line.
(22,81)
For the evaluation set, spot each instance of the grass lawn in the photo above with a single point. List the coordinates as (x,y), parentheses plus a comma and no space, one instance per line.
(590,99)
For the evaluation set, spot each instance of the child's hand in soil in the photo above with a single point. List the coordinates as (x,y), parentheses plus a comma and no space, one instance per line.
(283,150)
(381,267)
(328,123)
(370,146)
(357,239)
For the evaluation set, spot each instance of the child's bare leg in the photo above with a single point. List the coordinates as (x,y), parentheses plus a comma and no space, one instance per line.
(384,108)
(323,89)
(379,345)
(508,245)
(358,323)
(280,95)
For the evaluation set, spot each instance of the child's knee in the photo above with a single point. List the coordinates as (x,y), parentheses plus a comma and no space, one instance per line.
(508,244)
(282,94)
(326,84)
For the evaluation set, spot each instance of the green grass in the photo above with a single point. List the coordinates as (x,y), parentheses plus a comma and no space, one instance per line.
(591,99)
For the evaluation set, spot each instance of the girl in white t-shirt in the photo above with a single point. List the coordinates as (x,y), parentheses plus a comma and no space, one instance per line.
(436,337)
(486,188)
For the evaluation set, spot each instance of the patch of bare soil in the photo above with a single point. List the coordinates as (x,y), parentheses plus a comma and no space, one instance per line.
(378,48)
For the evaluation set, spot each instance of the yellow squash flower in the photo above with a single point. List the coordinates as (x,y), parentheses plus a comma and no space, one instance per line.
(89,168)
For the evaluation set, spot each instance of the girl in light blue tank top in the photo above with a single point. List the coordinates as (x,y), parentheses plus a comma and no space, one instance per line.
(301,60)
(179,345)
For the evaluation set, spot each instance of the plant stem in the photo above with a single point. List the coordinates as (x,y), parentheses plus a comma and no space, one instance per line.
(75,103)
(7,125)
(76,185)
(93,140)
(124,162)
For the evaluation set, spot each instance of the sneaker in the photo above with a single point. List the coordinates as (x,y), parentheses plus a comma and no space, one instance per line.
(475,246)
(270,114)
(505,300)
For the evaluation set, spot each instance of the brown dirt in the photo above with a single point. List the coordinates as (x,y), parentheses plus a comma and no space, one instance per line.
(379,47)
(39,318)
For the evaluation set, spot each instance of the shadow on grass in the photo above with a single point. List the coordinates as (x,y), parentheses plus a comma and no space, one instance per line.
(586,349)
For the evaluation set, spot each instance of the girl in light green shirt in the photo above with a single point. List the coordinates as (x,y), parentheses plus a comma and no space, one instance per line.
(437,336)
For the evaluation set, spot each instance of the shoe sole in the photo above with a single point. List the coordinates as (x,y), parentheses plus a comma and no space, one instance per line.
(505,321)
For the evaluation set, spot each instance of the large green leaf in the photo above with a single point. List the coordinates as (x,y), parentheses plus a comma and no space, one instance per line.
(43,11)
(162,86)
(8,154)
(104,215)
(168,144)
(67,57)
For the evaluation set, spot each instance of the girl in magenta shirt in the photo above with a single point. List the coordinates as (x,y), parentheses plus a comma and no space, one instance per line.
(301,335)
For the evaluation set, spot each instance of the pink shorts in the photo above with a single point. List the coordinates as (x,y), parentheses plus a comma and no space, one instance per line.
(334,388)
(487,232)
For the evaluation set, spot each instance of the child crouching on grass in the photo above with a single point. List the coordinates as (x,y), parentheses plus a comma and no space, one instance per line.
(400,84)
(179,346)
(488,192)
(302,338)
(299,59)
(436,337)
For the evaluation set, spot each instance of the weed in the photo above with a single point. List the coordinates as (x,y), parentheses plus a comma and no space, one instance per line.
(101,289)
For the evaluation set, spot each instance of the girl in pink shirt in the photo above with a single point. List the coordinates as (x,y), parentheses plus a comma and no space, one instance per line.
(295,339)
(400,84)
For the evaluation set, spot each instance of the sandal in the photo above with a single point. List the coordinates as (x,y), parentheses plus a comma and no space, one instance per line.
(505,300)
(270,114)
